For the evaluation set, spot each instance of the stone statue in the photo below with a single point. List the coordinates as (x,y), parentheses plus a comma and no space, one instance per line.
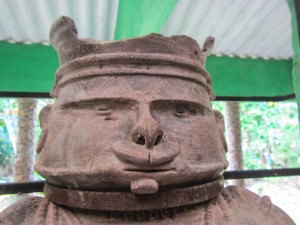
(132,139)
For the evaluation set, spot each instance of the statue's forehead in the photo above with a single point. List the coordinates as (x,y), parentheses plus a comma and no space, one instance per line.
(134,87)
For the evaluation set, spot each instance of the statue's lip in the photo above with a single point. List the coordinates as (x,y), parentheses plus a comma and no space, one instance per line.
(150,170)
(139,154)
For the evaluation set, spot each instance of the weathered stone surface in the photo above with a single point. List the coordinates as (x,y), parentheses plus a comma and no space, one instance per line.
(132,139)
(232,206)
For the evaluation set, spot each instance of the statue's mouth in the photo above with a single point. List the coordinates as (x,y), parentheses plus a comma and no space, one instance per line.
(150,170)
(141,155)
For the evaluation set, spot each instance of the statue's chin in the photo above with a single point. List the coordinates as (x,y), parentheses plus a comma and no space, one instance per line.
(126,180)
(144,186)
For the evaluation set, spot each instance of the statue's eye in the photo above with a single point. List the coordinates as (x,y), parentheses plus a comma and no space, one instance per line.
(193,111)
(188,110)
(180,110)
(103,111)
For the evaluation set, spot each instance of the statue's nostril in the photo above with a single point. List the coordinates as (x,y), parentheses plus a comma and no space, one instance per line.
(158,139)
(141,140)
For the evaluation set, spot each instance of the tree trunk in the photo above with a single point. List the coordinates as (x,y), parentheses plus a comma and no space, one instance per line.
(23,168)
(233,133)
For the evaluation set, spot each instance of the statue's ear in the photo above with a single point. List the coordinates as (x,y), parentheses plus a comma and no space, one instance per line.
(221,127)
(44,115)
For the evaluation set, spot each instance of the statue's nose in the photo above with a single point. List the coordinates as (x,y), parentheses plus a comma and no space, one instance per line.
(147,130)
(147,145)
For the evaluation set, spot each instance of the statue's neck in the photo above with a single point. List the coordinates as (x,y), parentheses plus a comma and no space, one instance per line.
(125,201)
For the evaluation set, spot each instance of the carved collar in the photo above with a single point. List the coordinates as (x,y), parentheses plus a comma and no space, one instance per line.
(128,203)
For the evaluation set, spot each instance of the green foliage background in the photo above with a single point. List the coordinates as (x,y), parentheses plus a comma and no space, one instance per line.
(6,150)
(6,116)
(270,134)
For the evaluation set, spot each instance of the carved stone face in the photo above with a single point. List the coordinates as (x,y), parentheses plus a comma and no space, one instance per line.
(105,132)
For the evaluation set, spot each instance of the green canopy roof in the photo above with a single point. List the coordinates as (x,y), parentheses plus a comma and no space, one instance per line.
(31,68)
(249,61)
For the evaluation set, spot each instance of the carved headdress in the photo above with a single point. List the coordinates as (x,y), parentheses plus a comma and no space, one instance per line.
(85,58)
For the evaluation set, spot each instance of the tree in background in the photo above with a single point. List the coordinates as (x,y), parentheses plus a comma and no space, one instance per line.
(23,168)
(270,134)
(233,136)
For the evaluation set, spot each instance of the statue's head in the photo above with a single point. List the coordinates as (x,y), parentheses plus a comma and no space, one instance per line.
(134,113)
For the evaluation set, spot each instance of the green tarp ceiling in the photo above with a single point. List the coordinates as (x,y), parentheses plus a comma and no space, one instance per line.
(252,59)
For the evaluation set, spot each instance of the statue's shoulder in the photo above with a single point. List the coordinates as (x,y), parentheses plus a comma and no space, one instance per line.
(250,207)
(36,211)
(19,212)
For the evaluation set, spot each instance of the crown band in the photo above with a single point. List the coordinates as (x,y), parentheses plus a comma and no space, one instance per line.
(130,64)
